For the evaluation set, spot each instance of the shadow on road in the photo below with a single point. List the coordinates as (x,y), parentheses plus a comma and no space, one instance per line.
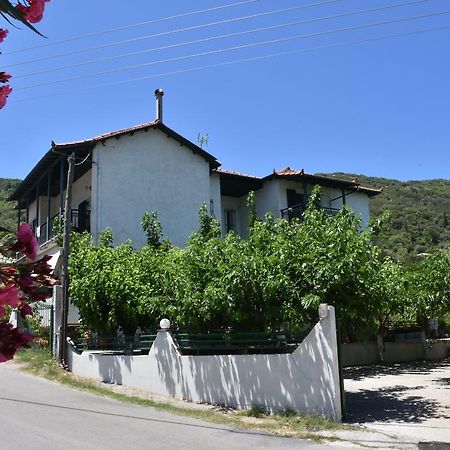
(388,404)
(417,367)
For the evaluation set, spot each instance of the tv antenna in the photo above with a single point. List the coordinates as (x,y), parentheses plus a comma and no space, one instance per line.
(202,139)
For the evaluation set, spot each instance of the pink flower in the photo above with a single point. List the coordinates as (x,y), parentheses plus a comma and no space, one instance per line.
(26,241)
(3,34)
(34,12)
(11,339)
(4,92)
(4,77)
(25,309)
(9,296)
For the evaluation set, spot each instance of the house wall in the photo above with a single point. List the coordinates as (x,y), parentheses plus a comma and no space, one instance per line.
(147,171)
(306,381)
(215,197)
(359,203)
(272,198)
(268,199)
(239,205)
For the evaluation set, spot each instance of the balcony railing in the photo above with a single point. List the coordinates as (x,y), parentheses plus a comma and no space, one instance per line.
(79,222)
(297,211)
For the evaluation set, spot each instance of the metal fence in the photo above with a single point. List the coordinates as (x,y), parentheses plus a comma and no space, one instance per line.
(41,324)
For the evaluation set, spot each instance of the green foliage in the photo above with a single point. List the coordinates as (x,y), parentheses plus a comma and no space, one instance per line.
(274,279)
(104,285)
(251,207)
(209,227)
(8,213)
(418,216)
(152,228)
(429,287)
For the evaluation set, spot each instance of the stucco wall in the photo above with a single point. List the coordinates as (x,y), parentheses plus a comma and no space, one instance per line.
(239,205)
(306,380)
(366,353)
(147,172)
(360,204)
(215,197)
(267,199)
(272,197)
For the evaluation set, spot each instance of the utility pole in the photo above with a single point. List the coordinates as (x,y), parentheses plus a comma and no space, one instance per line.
(65,262)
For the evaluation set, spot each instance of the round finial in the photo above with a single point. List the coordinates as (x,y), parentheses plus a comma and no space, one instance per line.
(164,324)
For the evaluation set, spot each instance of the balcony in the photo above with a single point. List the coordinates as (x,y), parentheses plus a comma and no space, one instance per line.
(297,211)
(79,220)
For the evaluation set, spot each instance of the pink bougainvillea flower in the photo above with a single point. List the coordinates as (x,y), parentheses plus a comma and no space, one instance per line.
(34,12)
(3,34)
(11,339)
(4,92)
(26,241)
(25,280)
(9,296)
(4,77)
(25,309)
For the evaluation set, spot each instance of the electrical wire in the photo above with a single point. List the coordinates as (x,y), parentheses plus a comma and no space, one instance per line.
(239,47)
(236,61)
(179,30)
(134,25)
(223,36)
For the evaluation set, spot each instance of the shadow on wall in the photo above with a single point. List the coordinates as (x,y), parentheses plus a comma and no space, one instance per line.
(306,380)
(110,366)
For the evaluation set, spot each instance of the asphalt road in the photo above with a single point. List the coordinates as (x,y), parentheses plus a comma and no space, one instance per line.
(38,414)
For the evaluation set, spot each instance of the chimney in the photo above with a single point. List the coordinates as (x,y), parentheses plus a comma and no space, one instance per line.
(159,105)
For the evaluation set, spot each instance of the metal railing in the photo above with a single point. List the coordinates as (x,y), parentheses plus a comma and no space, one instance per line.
(296,211)
(79,223)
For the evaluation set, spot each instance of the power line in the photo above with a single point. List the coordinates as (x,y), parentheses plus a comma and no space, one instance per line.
(134,25)
(236,61)
(179,30)
(223,36)
(239,47)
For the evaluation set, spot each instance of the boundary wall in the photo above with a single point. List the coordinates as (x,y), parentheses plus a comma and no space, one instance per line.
(306,380)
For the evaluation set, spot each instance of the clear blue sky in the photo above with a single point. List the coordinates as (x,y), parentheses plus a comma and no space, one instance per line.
(379,108)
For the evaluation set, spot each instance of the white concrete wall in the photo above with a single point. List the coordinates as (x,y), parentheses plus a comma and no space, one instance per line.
(272,197)
(148,172)
(268,199)
(239,205)
(306,380)
(215,196)
(366,353)
(359,203)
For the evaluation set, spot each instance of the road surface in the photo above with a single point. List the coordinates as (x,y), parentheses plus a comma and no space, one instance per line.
(39,414)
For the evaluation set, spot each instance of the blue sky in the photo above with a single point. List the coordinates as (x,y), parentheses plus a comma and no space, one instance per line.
(379,108)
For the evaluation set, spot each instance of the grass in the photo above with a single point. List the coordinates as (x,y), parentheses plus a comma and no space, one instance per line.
(286,423)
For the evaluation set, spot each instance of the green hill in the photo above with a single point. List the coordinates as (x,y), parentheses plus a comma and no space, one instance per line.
(8,216)
(419,213)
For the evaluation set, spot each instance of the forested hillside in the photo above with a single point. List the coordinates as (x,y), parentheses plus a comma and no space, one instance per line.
(8,216)
(419,213)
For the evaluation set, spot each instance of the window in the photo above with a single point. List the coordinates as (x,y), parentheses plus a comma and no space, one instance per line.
(230,220)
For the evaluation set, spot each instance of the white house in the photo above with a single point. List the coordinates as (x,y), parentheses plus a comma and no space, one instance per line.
(150,167)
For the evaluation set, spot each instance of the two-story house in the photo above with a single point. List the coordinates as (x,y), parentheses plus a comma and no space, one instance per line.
(120,175)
